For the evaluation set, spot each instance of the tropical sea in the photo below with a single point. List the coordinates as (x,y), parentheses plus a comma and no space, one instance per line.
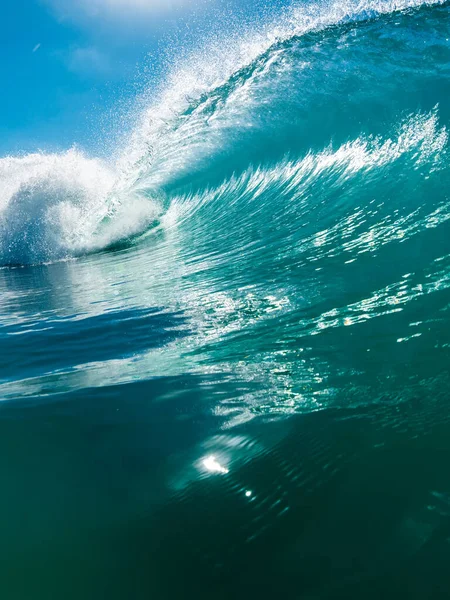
(224,349)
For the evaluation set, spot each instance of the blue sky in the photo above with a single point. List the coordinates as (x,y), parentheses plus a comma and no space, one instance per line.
(72,68)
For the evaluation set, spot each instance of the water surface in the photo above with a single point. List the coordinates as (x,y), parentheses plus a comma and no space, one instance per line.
(224,354)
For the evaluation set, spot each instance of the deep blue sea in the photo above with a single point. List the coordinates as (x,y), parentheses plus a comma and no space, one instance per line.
(225,349)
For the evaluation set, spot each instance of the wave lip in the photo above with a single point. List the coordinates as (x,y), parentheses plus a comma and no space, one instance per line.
(184,108)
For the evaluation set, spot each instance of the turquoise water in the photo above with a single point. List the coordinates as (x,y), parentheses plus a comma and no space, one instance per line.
(225,350)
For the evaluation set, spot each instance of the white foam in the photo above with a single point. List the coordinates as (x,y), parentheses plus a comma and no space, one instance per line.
(51,206)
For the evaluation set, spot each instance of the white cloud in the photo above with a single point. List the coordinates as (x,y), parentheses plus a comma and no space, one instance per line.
(132,5)
(128,10)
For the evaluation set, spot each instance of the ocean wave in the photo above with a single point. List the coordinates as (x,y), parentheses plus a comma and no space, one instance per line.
(57,206)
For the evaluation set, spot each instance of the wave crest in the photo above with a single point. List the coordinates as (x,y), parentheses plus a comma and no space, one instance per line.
(55,206)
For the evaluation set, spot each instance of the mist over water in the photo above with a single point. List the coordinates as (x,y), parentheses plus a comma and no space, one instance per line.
(224,350)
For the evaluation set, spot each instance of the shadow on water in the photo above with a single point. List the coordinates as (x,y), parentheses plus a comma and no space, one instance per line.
(110,496)
(70,317)
(82,468)
(336,504)
(64,343)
